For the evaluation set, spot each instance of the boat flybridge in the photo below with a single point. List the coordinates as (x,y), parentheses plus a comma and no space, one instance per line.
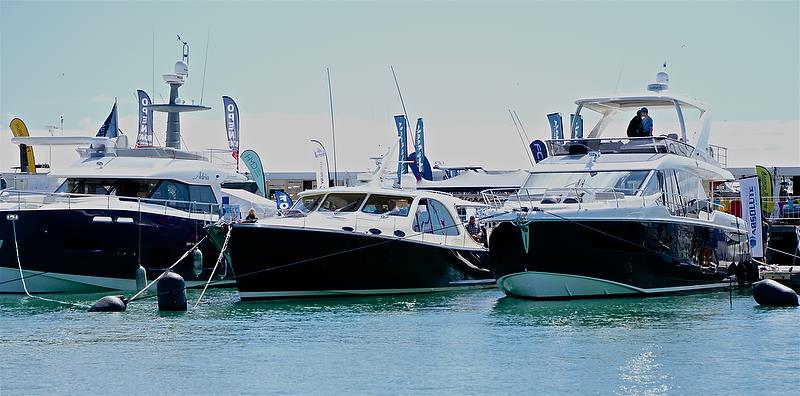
(121,215)
(608,215)
(364,240)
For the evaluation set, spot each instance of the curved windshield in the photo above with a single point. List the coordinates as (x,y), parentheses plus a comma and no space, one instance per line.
(388,204)
(307,203)
(626,182)
(342,202)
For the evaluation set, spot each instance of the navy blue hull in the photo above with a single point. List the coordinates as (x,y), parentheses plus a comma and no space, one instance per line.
(104,243)
(656,256)
(279,262)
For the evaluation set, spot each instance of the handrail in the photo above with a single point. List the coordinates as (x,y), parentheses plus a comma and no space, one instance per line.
(646,144)
(29,199)
(784,207)
(579,197)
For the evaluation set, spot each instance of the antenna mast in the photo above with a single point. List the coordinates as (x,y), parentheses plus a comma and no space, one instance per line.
(333,129)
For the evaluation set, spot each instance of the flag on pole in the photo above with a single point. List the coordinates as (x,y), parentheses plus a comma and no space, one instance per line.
(577,131)
(401,123)
(556,128)
(283,200)
(145,136)
(253,163)
(109,128)
(323,180)
(232,125)
(751,212)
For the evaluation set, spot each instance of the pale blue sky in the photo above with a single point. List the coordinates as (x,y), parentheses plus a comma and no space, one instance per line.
(458,63)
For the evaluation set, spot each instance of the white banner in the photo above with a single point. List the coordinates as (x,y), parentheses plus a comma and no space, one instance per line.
(751,213)
(322,168)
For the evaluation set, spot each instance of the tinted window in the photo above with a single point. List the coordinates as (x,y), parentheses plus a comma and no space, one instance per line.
(176,193)
(342,202)
(388,204)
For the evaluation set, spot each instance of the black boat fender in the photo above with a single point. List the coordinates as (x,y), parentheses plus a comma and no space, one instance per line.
(171,290)
(770,292)
(110,304)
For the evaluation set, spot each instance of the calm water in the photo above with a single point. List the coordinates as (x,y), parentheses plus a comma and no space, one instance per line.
(475,343)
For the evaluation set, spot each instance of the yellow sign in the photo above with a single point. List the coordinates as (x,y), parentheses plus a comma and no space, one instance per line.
(18,129)
(765,185)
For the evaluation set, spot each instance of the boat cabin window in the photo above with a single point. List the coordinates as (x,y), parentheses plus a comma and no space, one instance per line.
(342,202)
(388,204)
(626,182)
(194,198)
(432,217)
(135,188)
(307,203)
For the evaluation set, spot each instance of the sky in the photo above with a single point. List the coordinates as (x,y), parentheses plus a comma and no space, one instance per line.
(460,66)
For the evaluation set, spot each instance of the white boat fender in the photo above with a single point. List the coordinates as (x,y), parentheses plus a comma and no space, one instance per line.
(141,278)
(770,292)
(171,290)
(197,262)
(110,304)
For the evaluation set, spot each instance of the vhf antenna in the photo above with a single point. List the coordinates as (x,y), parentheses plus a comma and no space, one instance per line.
(185,50)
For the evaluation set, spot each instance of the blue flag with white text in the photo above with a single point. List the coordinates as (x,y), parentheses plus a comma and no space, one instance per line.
(232,125)
(401,123)
(283,200)
(556,128)
(109,128)
(145,136)
(539,150)
(419,149)
(577,131)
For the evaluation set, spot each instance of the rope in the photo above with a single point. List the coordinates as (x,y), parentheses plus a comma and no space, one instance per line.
(781,251)
(22,276)
(219,258)
(167,270)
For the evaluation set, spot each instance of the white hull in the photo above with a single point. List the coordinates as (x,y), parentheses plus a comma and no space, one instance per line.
(51,282)
(532,284)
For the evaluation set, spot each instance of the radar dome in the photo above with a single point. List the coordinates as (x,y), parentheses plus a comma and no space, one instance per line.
(181,68)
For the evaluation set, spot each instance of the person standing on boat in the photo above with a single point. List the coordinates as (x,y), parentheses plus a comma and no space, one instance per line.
(635,126)
(647,123)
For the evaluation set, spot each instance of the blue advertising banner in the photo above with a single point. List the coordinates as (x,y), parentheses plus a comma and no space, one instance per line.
(539,150)
(253,163)
(401,123)
(419,147)
(232,125)
(577,131)
(556,127)
(145,135)
(427,171)
(283,200)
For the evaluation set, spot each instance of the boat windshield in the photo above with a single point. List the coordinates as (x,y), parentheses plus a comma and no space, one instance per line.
(343,202)
(626,182)
(388,204)
(307,203)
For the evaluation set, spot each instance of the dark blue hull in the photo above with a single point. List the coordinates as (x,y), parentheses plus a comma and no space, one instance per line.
(101,248)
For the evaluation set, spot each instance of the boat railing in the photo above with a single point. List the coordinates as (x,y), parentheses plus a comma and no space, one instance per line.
(777,209)
(36,199)
(527,199)
(366,223)
(622,145)
(719,154)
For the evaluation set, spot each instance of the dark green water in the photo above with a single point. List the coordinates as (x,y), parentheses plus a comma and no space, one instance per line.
(456,343)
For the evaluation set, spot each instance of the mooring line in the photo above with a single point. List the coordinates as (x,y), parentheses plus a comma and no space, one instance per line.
(167,270)
(22,275)
(219,259)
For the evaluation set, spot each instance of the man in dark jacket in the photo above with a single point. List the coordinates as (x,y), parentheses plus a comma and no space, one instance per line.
(635,126)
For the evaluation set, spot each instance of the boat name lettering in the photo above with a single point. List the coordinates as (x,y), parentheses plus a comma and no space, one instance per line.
(201,176)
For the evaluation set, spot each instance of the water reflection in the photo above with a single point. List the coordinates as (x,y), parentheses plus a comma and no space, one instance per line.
(642,374)
(618,312)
